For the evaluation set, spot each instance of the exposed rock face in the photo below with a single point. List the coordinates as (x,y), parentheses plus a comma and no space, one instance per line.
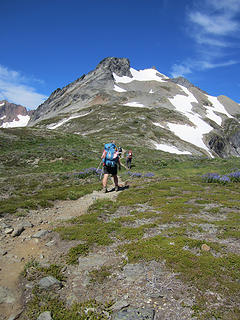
(10,112)
(153,109)
(235,140)
(218,144)
(226,141)
(185,83)
(120,66)
(84,91)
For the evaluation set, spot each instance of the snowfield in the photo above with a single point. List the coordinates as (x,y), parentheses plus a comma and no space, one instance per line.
(22,122)
(194,134)
(170,149)
(118,89)
(141,75)
(158,125)
(135,104)
(216,107)
(56,125)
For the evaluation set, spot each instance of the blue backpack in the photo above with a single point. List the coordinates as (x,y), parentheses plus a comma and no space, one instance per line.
(111,154)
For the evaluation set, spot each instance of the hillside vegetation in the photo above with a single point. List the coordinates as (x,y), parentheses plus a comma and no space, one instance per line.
(171,219)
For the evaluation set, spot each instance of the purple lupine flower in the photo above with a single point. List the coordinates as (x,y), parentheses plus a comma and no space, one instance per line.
(136,174)
(149,175)
(234,176)
(224,179)
(76,173)
(211,177)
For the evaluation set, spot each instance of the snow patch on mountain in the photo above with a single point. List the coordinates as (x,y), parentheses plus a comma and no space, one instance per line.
(22,122)
(56,125)
(141,75)
(158,125)
(193,134)
(2,104)
(135,104)
(183,103)
(118,89)
(216,107)
(3,117)
(170,149)
(212,116)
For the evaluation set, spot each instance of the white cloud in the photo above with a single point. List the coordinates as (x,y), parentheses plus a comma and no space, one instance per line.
(232,6)
(181,69)
(14,88)
(212,24)
(189,66)
(211,41)
(214,28)
(210,65)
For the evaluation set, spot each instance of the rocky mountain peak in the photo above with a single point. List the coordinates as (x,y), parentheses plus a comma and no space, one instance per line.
(120,66)
(11,115)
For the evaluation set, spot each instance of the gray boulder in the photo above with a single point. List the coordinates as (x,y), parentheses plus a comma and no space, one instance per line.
(6,296)
(49,283)
(40,234)
(45,316)
(17,231)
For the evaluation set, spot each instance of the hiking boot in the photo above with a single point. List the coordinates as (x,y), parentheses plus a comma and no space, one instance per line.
(104,190)
(116,188)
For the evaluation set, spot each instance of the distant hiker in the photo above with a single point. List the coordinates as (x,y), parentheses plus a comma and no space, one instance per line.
(129,159)
(110,160)
(120,151)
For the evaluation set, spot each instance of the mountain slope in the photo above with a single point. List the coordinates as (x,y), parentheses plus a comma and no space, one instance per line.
(143,108)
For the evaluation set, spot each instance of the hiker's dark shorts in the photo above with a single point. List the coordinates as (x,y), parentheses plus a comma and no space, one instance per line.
(110,170)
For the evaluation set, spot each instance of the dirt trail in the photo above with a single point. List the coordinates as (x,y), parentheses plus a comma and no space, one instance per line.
(16,251)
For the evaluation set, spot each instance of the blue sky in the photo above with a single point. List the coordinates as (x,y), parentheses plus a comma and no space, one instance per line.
(47,44)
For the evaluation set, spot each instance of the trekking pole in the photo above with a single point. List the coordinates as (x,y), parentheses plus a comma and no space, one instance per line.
(99,165)
(100,177)
(124,166)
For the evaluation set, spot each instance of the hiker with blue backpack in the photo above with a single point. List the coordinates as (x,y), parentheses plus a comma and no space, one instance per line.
(110,159)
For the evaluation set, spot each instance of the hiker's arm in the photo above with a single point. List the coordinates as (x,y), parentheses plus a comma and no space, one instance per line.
(103,154)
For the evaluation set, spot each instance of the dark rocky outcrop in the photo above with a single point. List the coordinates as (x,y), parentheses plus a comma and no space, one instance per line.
(217,144)
(226,142)
(120,66)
